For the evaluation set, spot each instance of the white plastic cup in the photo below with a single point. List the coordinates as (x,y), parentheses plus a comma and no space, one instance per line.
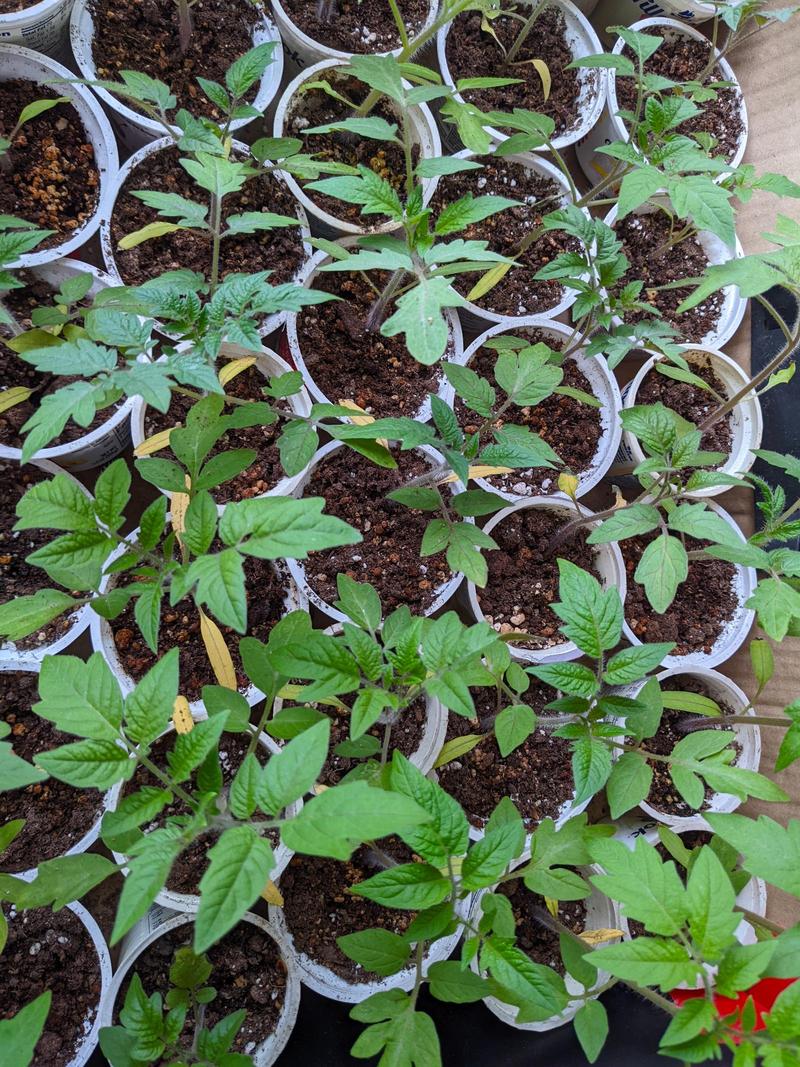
(30,658)
(607,559)
(737,628)
(16,62)
(297,567)
(134,128)
(40,26)
(582,41)
(101,445)
(734,304)
(629,13)
(596,165)
(272,322)
(424,135)
(454,352)
(163,922)
(746,419)
(604,386)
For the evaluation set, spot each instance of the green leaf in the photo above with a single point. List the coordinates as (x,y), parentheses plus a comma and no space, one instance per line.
(591,1028)
(377,951)
(450,982)
(573,678)
(379,72)
(60,881)
(648,889)
(447,833)
(74,560)
(56,504)
(629,783)
(147,876)
(239,868)
(592,616)
(80,698)
(783,1021)
(88,764)
(661,569)
(638,186)
(276,527)
(591,767)
(649,961)
(112,493)
(149,707)
(488,858)
(413,886)
(359,601)
(468,210)
(221,586)
(742,966)
(762,660)
(433,168)
(27,614)
(513,726)
(634,663)
(770,850)
(20,1034)
(707,204)
(418,315)
(694,1017)
(536,985)
(191,749)
(626,522)
(776,603)
(709,900)
(293,771)
(17,773)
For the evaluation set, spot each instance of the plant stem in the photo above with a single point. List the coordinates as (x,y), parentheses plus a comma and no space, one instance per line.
(522,36)
(387,738)
(216,225)
(185,26)
(165,779)
(377,312)
(760,920)
(398,21)
(698,722)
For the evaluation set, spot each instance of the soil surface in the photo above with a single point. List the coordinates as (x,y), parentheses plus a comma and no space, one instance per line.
(249,972)
(144,36)
(265,471)
(473,53)
(571,428)
(691,402)
(523,575)
(663,795)
(318,907)
(363,26)
(56,815)
(379,373)
(180,627)
(517,293)
(702,607)
(643,241)
(683,59)
(17,577)
(537,775)
(55,952)
(533,937)
(279,250)
(53,181)
(355,490)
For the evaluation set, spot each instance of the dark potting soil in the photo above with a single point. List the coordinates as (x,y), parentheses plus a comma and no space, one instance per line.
(318,907)
(180,627)
(533,937)
(144,36)
(17,577)
(278,250)
(537,775)
(265,471)
(406,737)
(663,795)
(363,26)
(517,293)
(14,371)
(702,607)
(248,973)
(54,951)
(643,241)
(691,402)
(53,181)
(7,7)
(473,53)
(316,108)
(355,490)
(683,59)
(56,815)
(523,575)
(571,428)
(379,373)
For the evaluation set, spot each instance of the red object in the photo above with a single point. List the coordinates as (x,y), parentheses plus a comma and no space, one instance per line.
(764,994)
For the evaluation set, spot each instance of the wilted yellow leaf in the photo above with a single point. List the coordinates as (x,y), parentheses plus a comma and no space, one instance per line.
(154,443)
(489,281)
(218,653)
(568,484)
(597,937)
(178,506)
(272,894)
(236,366)
(552,906)
(181,715)
(11,397)
(361,419)
(478,471)
(458,746)
(147,233)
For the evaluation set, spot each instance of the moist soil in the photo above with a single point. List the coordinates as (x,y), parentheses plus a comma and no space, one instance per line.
(691,402)
(144,36)
(17,577)
(536,776)
(180,628)
(473,53)
(56,815)
(523,575)
(14,371)
(278,250)
(53,181)
(316,108)
(643,239)
(572,429)
(364,26)
(379,373)
(355,490)
(704,603)
(265,471)
(663,795)
(8,7)
(54,951)
(533,937)
(249,973)
(517,293)
(319,908)
(682,59)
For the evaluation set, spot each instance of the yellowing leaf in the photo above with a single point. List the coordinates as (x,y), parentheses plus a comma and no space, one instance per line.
(147,233)
(178,505)
(597,937)
(217,651)
(154,443)
(459,746)
(236,366)
(272,894)
(489,281)
(11,397)
(619,499)
(318,788)
(37,338)
(362,419)
(568,484)
(488,29)
(181,716)
(479,471)
(552,906)
(542,70)
(293,692)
